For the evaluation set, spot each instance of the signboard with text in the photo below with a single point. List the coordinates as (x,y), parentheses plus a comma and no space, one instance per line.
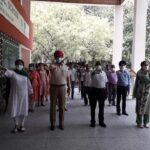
(9,11)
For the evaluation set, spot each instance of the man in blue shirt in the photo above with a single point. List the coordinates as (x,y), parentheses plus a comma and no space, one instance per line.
(122,87)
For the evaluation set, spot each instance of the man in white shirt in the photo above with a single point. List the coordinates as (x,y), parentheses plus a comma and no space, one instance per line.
(99,93)
(87,86)
(72,79)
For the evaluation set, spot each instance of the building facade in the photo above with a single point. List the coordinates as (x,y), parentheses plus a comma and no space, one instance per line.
(15,32)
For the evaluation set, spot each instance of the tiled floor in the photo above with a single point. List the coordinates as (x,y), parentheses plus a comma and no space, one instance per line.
(120,134)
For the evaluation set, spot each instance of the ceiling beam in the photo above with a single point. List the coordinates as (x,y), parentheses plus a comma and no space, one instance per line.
(104,2)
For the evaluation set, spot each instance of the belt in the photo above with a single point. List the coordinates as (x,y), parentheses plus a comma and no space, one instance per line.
(58,85)
(99,88)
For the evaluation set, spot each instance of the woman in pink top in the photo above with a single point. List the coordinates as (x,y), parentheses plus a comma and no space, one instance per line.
(35,81)
(43,79)
(47,82)
(112,85)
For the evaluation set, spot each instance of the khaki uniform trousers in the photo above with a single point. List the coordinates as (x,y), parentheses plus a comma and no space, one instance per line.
(57,97)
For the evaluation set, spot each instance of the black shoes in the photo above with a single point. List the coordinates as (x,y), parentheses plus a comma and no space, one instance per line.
(52,128)
(42,104)
(119,114)
(93,125)
(102,125)
(31,110)
(126,114)
(61,127)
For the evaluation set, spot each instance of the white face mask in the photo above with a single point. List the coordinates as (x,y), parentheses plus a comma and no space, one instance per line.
(31,68)
(145,67)
(113,69)
(99,67)
(19,67)
(122,68)
(58,60)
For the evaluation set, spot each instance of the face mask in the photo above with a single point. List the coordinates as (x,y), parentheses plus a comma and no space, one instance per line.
(98,67)
(113,69)
(123,68)
(58,60)
(145,67)
(31,68)
(19,67)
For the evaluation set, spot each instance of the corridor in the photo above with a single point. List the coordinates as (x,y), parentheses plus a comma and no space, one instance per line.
(121,132)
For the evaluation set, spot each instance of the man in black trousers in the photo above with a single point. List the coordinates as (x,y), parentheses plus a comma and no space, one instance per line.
(123,86)
(99,93)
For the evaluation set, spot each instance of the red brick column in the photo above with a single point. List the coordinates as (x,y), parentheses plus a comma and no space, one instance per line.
(25,56)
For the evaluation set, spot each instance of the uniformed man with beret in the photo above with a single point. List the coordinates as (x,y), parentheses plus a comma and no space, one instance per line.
(60,86)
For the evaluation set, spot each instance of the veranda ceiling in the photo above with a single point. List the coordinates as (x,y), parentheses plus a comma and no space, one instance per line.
(104,2)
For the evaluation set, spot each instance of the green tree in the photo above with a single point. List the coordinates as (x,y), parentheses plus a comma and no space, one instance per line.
(128,30)
(68,27)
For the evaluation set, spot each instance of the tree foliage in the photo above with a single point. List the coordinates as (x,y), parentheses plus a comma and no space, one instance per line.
(128,30)
(84,32)
(70,28)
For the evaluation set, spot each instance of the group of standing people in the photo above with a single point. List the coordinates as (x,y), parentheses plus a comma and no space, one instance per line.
(39,76)
(99,84)
(31,87)
(58,80)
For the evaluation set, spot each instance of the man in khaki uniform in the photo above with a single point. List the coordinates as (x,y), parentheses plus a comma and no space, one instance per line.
(60,85)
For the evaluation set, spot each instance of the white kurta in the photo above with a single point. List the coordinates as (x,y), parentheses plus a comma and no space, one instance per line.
(20,89)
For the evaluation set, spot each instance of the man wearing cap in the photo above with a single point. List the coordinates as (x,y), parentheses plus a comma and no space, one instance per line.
(60,86)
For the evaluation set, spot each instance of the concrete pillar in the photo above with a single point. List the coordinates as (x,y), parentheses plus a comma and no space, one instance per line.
(118,35)
(139,37)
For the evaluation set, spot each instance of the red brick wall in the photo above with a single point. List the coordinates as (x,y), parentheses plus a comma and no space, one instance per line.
(25,56)
(13,32)
(122,1)
(26,5)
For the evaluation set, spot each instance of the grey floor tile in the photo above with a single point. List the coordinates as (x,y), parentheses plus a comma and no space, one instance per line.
(120,134)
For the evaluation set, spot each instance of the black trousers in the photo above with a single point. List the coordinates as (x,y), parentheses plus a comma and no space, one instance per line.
(112,89)
(87,95)
(82,90)
(72,89)
(121,94)
(97,95)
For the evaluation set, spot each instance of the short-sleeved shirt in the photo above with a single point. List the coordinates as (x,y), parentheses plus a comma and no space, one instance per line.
(99,80)
(87,79)
(59,74)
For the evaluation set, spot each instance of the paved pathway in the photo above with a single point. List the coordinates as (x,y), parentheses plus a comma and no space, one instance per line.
(120,134)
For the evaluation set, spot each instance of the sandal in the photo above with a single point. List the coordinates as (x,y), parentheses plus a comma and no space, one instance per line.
(15,130)
(22,129)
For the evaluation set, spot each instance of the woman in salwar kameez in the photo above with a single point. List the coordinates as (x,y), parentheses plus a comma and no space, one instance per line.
(43,79)
(141,93)
(20,89)
(35,81)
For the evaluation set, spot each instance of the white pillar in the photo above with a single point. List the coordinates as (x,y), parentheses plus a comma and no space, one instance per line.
(139,39)
(118,35)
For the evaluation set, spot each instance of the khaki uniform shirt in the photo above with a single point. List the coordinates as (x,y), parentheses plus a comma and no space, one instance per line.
(59,74)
